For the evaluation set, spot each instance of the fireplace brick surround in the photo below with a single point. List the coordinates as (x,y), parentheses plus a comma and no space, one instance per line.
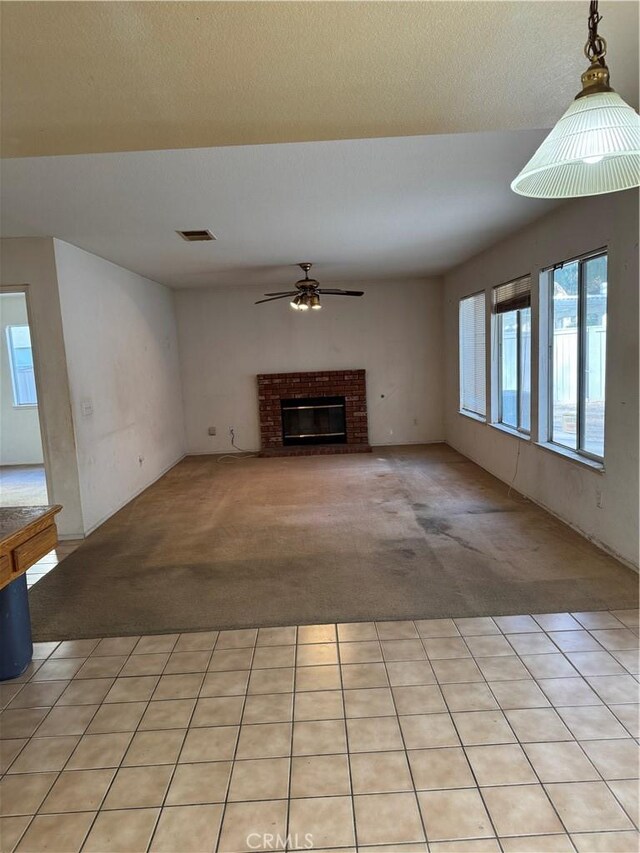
(274,387)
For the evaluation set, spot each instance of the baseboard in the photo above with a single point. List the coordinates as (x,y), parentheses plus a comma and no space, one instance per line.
(22,464)
(98,524)
(410,443)
(231,452)
(590,538)
(249,450)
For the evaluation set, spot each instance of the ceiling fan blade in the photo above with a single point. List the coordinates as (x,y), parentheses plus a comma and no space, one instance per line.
(281,293)
(342,292)
(273,298)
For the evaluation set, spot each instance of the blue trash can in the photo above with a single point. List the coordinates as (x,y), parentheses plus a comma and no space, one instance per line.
(16,647)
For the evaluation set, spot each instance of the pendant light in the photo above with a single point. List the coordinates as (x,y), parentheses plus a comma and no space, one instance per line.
(595,147)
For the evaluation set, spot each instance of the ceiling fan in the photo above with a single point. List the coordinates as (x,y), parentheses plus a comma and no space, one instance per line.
(307,292)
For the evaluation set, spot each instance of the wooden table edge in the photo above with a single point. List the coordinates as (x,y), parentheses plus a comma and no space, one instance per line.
(14,563)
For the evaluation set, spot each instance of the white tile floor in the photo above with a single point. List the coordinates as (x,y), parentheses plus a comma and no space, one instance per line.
(513,734)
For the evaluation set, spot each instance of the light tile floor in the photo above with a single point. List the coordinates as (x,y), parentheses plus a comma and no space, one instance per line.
(50,561)
(516,734)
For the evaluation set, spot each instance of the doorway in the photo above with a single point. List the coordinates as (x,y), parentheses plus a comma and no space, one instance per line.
(22,470)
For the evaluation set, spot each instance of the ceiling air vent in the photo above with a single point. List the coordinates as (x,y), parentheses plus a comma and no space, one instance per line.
(197,236)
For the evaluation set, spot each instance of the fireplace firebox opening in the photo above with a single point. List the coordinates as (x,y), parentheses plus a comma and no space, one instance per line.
(313,420)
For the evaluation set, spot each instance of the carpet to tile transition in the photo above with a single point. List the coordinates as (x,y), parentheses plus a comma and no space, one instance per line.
(413,532)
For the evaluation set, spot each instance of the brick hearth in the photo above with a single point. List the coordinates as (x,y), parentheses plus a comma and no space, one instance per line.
(350,384)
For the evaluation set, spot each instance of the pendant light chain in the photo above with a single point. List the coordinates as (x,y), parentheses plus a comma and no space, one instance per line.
(596,46)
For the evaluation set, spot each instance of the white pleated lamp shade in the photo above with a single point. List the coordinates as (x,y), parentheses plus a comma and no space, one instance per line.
(593,149)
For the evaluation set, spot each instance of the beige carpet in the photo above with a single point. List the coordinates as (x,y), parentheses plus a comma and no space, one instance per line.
(413,532)
(23,485)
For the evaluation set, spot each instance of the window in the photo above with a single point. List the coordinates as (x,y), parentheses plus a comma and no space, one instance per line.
(512,307)
(21,362)
(578,329)
(472,355)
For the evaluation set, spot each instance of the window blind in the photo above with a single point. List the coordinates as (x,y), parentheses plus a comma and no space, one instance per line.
(513,295)
(472,355)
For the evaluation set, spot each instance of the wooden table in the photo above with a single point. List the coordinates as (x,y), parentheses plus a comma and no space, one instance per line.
(27,533)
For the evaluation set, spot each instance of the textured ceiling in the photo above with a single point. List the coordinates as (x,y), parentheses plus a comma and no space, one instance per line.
(122,76)
(359,209)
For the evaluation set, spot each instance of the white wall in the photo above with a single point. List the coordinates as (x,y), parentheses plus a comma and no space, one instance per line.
(121,344)
(394,332)
(20,442)
(568,489)
(30,262)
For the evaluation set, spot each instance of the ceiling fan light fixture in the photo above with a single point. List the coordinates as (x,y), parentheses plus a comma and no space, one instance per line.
(595,146)
(307,292)
(303,301)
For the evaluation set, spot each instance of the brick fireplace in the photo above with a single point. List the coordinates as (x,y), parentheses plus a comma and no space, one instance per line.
(347,385)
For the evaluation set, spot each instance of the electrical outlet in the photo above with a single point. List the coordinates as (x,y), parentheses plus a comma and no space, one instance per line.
(212,430)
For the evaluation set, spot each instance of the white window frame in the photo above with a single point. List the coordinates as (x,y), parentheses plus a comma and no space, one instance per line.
(517,427)
(471,413)
(14,385)
(576,452)
(496,371)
